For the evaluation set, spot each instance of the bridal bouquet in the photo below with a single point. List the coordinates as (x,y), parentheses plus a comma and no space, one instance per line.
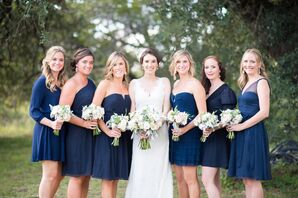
(206,120)
(60,112)
(93,112)
(230,117)
(120,122)
(145,122)
(177,118)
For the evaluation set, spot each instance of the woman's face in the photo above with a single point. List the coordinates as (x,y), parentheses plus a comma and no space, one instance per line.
(85,65)
(182,65)
(150,64)
(57,62)
(119,69)
(249,64)
(211,69)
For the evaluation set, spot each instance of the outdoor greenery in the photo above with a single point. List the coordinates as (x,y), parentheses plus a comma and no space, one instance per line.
(20,177)
(225,28)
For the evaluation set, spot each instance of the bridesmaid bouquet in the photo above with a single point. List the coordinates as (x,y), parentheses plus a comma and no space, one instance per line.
(206,120)
(93,112)
(60,112)
(177,118)
(120,122)
(230,117)
(145,122)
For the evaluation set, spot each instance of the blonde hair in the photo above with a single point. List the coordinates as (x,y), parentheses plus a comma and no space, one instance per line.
(47,72)
(110,64)
(243,78)
(175,56)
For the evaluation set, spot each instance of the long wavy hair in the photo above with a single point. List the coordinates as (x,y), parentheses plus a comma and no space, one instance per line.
(204,80)
(175,56)
(243,78)
(47,72)
(112,60)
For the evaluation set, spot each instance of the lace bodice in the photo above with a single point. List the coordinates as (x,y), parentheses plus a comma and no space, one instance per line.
(153,98)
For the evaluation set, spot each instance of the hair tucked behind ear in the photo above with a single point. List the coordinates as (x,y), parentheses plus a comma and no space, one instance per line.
(78,55)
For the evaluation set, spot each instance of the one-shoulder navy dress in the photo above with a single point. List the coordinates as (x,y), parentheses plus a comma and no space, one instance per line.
(79,140)
(216,148)
(250,148)
(45,145)
(113,162)
(186,151)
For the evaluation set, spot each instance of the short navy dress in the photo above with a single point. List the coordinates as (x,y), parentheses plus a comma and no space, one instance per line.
(45,145)
(216,149)
(186,151)
(250,148)
(113,162)
(79,140)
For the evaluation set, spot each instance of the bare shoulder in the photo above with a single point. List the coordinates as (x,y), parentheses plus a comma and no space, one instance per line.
(263,85)
(70,84)
(195,82)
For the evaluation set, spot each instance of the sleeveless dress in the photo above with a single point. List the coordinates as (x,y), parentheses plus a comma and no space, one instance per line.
(113,162)
(150,174)
(186,151)
(45,145)
(250,148)
(216,149)
(79,140)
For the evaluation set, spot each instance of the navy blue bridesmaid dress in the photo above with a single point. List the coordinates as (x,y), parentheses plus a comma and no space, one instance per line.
(45,145)
(113,162)
(250,148)
(216,149)
(79,140)
(186,151)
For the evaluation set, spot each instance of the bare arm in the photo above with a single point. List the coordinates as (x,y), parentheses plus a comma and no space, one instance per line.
(132,95)
(264,103)
(166,101)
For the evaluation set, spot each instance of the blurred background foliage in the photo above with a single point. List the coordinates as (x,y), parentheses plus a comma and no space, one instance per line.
(225,28)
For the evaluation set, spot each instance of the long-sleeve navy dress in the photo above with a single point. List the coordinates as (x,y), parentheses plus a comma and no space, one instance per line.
(45,145)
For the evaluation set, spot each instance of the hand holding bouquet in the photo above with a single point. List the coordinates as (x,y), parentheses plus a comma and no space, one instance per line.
(120,122)
(93,112)
(60,112)
(206,120)
(230,117)
(145,123)
(177,118)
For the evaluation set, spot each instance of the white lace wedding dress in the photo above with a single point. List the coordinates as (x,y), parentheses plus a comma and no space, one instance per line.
(151,174)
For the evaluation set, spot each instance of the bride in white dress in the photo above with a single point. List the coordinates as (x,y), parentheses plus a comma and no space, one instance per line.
(150,174)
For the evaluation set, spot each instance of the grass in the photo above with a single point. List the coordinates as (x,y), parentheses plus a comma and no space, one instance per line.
(20,177)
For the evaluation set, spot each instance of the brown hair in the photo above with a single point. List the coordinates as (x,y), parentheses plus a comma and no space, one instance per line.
(205,81)
(78,55)
(151,52)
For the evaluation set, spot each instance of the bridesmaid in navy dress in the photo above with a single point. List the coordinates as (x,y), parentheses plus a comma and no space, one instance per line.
(112,163)
(46,147)
(78,92)
(216,148)
(188,95)
(250,150)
